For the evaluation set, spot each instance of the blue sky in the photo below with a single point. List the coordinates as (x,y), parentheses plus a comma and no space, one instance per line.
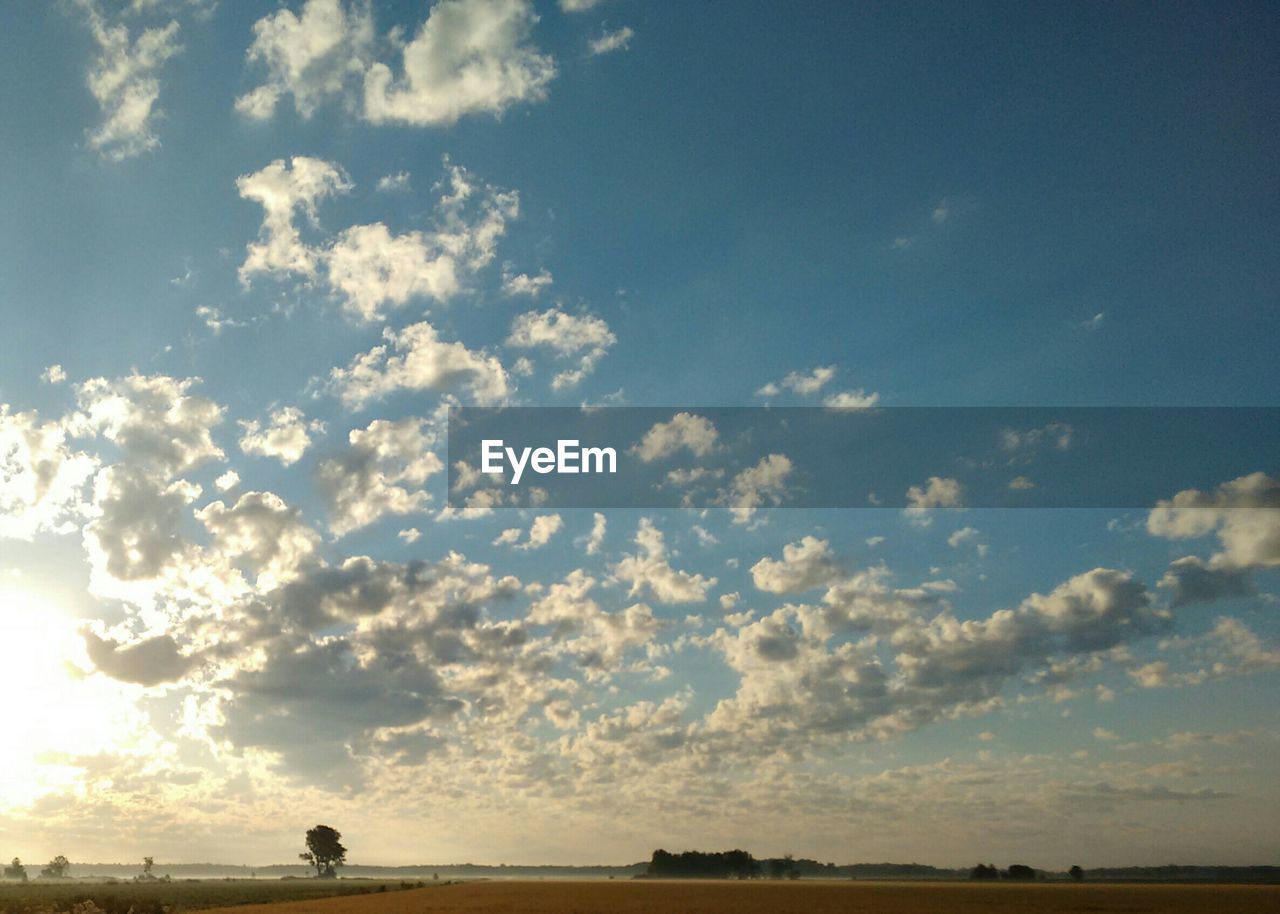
(224,510)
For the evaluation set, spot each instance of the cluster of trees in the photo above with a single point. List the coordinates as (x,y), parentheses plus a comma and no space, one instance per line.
(734,864)
(57,869)
(1016,871)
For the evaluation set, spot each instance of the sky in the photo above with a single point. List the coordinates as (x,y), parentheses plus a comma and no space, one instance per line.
(252,253)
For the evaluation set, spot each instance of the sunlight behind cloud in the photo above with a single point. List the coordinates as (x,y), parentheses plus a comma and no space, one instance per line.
(54,711)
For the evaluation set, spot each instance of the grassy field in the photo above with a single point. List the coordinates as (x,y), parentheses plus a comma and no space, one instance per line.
(158,897)
(643,897)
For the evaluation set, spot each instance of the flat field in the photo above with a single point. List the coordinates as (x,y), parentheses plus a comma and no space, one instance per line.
(688,897)
(187,895)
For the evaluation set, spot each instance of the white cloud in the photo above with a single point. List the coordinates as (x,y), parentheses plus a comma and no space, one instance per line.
(524,284)
(215,319)
(800,383)
(41,478)
(417,359)
(310,56)
(759,486)
(393,184)
(380,473)
(805,564)
(585,336)
(262,531)
(617,40)
(694,433)
(937,492)
(368,266)
(851,399)
(578,6)
(286,437)
(469,57)
(543,528)
(153,419)
(649,570)
(123,82)
(283,191)
(599,525)
(54,374)
(1241,513)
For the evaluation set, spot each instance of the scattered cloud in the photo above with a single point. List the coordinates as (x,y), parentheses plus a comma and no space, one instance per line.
(617,40)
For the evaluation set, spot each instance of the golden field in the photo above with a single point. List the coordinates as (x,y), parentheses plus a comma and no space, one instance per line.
(690,897)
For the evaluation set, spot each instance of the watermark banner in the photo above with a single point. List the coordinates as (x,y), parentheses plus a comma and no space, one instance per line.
(918,458)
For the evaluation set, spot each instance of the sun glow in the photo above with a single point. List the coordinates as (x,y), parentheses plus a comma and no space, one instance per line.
(52,713)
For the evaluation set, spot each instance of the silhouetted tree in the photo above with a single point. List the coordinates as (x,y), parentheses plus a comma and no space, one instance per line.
(1076,873)
(16,870)
(984,871)
(324,850)
(1020,871)
(57,868)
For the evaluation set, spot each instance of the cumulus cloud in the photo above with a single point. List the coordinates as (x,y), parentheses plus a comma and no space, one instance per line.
(468,57)
(369,267)
(42,478)
(155,420)
(937,492)
(286,436)
(524,284)
(691,432)
(802,682)
(284,191)
(801,383)
(122,79)
(1190,580)
(320,52)
(762,485)
(149,662)
(540,532)
(1230,648)
(602,638)
(585,337)
(649,570)
(416,359)
(1242,514)
(380,473)
(263,532)
(805,564)
(136,533)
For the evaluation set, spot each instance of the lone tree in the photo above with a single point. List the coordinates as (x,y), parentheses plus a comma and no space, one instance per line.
(16,870)
(1076,873)
(57,868)
(324,850)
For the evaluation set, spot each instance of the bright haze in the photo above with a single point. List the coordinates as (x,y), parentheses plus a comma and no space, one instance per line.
(252,251)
